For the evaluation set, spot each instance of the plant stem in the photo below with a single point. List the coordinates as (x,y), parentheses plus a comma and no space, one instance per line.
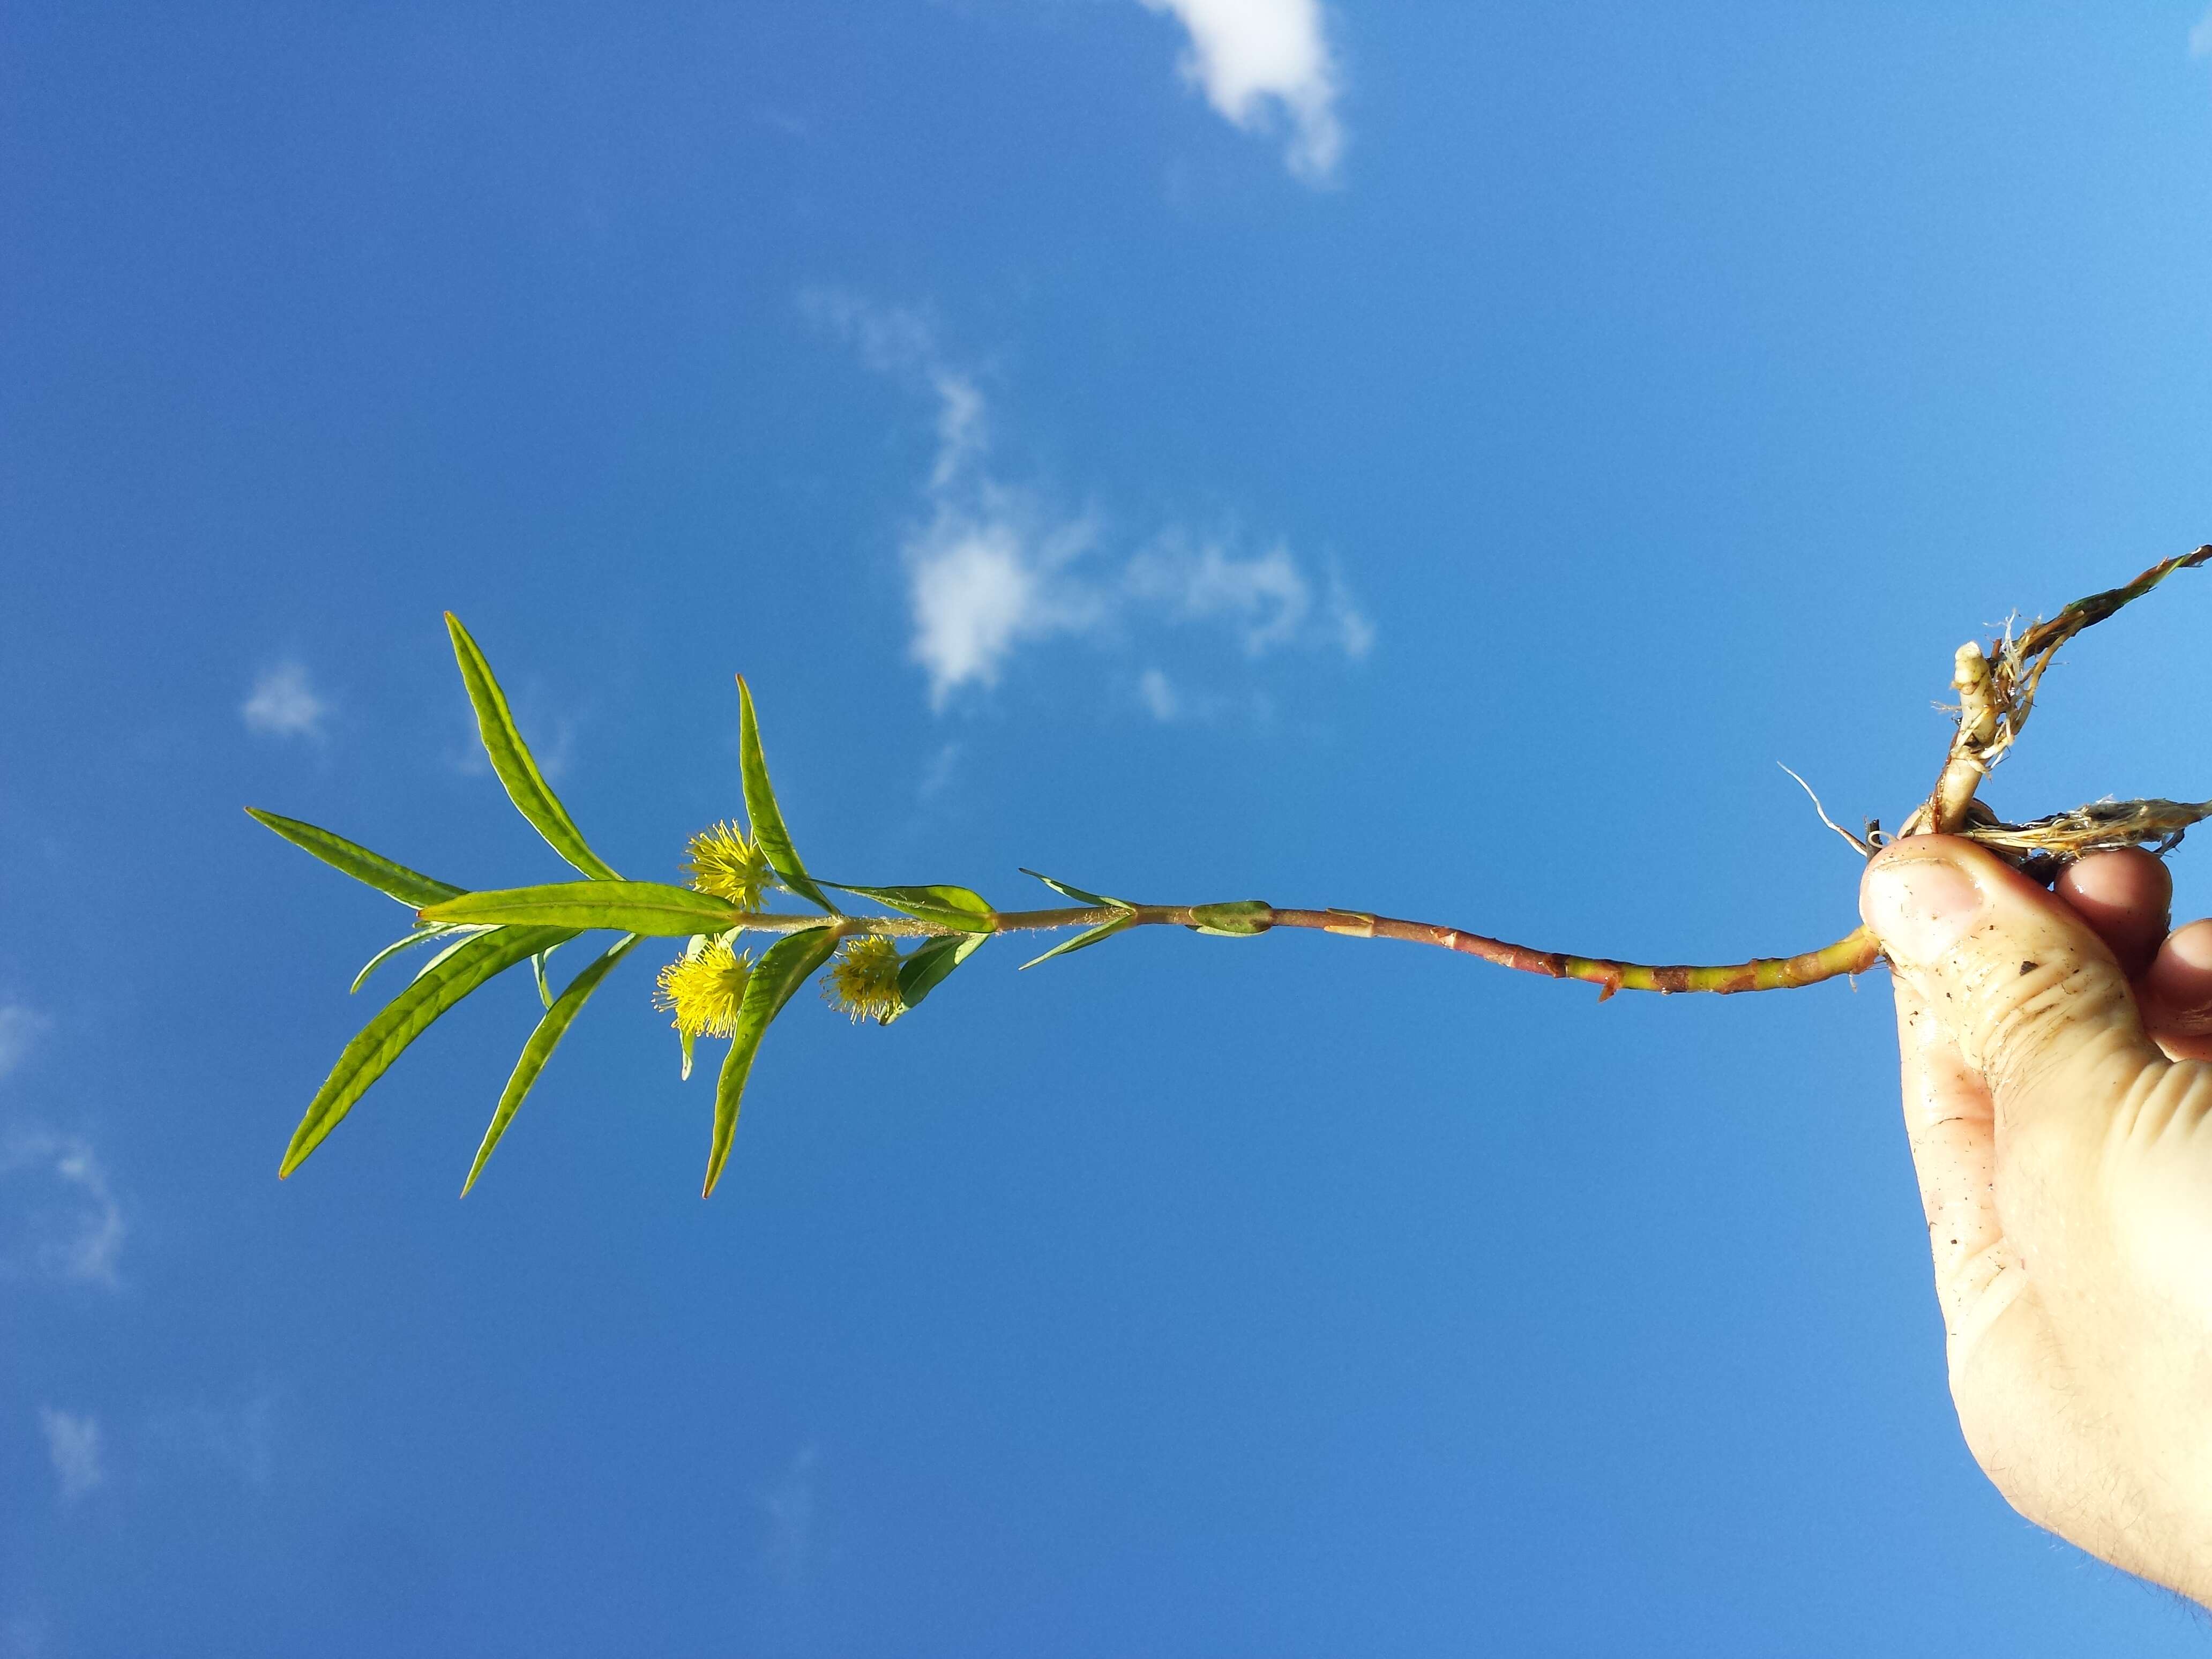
(1854,953)
(1997,692)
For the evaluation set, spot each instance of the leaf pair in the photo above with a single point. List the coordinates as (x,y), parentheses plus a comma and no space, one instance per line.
(787,963)
(499,931)
(1127,917)
(406,1018)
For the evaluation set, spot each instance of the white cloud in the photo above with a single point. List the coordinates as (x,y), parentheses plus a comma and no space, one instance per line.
(284,704)
(2200,38)
(73,1443)
(989,574)
(993,566)
(1259,61)
(69,1228)
(19,1027)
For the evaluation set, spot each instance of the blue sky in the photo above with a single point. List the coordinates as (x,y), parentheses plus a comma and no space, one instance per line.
(1435,459)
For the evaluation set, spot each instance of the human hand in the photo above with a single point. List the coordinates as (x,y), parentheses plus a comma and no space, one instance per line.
(2060,1115)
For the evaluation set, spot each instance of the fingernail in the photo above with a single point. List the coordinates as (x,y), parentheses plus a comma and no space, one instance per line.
(1920,908)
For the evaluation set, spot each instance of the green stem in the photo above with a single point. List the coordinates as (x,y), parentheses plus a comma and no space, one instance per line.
(1855,953)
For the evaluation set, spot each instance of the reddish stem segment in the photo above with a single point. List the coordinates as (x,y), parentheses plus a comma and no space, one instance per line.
(1854,953)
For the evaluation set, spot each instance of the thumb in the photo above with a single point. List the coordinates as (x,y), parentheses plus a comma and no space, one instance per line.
(2028,992)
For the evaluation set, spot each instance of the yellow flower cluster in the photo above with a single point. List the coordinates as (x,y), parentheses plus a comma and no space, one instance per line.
(704,989)
(730,864)
(863,981)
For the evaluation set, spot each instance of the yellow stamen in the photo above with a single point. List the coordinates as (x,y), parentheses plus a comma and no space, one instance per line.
(705,989)
(730,864)
(863,981)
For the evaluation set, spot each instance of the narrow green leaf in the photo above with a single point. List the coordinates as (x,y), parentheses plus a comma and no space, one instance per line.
(537,972)
(686,1038)
(651,907)
(420,936)
(780,971)
(406,1018)
(1076,893)
(543,1041)
(1103,930)
(1236,919)
(455,937)
(949,907)
(409,887)
(510,757)
(927,969)
(760,809)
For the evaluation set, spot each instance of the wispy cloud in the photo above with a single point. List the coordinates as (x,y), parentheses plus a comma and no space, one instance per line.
(1157,693)
(26,1633)
(936,777)
(1264,65)
(73,1446)
(284,704)
(993,566)
(551,735)
(240,1440)
(787,1507)
(66,1224)
(2200,38)
(19,1027)
(1268,600)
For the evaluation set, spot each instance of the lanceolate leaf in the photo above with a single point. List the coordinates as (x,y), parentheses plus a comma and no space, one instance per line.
(510,757)
(455,937)
(949,907)
(650,908)
(420,936)
(927,968)
(781,970)
(406,1018)
(409,887)
(1103,930)
(539,1049)
(760,809)
(1077,893)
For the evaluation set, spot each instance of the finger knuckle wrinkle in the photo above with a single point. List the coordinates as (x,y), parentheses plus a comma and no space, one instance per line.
(2042,1021)
(2176,1100)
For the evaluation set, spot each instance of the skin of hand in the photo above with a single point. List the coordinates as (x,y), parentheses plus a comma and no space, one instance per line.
(2058,1102)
